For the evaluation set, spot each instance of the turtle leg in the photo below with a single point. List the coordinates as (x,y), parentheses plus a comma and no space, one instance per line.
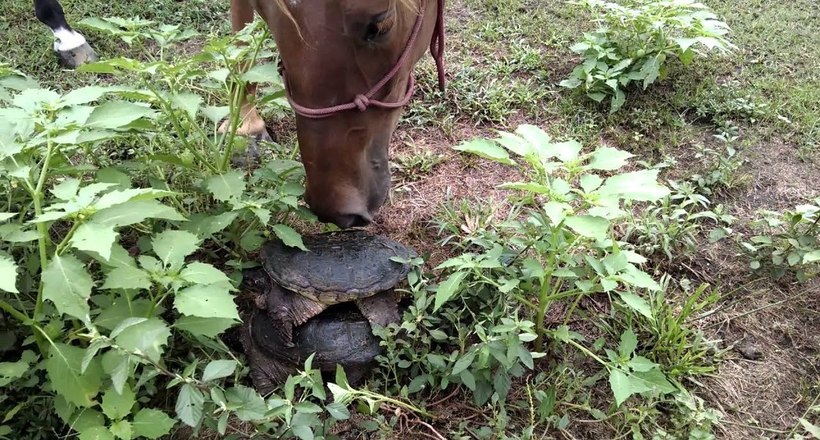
(266,372)
(288,310)
(381,309)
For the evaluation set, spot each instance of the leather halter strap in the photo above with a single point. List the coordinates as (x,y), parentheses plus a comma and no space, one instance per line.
(365,100)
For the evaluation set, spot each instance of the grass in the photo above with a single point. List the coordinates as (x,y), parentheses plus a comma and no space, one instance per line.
(504,60)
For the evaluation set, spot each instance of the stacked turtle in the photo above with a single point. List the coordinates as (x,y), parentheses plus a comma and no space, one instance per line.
(322,302)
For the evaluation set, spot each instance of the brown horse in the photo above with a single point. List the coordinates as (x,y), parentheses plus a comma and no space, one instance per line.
(347,66)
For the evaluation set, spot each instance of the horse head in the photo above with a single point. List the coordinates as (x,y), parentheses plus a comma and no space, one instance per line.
(347,66)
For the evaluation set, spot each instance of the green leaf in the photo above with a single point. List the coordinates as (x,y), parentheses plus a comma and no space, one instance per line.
(122,429)
(811,257)
(639,278)
(810,428)
(464,362)
(63,367)
(289,236)
(116,405)
(250,404)
(8,274)
(146,338)
(218,369)
(117,114)
(188,102)
(189,405)
(11,371)
(564,151)
(226,187)
(448,288)
(487,149)
(152,424)
(636,303)
(641,364)
(637,185)
(127,277)
(208,327)
(608,159)
(68,285)
(589,226)
(628,343)
(261,73)
(173,246)
(216,114)
(206,302)
(203,273)
(119,367)
(338,411)
(96,433)
(621,386)
(135,211)
(95,237)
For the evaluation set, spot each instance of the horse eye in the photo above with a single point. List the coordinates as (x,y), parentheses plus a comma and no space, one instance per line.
(378,27)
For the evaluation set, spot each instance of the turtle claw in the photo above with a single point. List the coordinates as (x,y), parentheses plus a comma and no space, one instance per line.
(73,58)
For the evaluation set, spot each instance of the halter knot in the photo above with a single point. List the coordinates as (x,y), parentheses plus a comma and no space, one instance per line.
(361,102)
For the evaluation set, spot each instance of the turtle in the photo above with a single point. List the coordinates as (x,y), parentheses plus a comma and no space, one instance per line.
(322,302)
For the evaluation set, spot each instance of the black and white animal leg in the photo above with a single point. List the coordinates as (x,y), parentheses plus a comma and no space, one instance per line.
(70,46)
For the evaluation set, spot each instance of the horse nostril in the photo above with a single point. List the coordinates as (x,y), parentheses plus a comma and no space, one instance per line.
(352,220)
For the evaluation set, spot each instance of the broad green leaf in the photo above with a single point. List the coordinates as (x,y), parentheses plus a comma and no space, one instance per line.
(119,367)
(486,149)
(189,405)
(464,362)
(84,419)
(127,277)
(811,257)
(206,302)
(135,211)
(208,327)
(121,429)
(261,73)
(810,428)
(117,114)
(203,273)
(218,369)
(250,404)
(116,405)
(11,371)
(517,144)
(641,364)
(7,215)
(636,303)
(637,185)
(564,151)
(204,225)
(639,278)
(68,285)
(83,95)
(8,274)
(128,322)
(338,411)
(63,367)
(448,288)
(173,246)
(589,226)
(608,159)
(226,187)
(95,237)
(629,342)
(96,433)
(216,114)
(118,197)
(623,386)
(187,102)
(289,236)
(147,338)
(152,423)
(652,380)
(121,310)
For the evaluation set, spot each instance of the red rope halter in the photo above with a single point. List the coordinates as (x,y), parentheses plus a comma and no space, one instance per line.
(365,100)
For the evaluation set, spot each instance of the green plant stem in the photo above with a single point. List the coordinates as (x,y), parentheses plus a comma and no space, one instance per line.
(16,314)
(42,229)
(540,313)
(395,402)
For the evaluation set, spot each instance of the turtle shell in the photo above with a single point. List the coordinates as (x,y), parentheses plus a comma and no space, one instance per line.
(339,266)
